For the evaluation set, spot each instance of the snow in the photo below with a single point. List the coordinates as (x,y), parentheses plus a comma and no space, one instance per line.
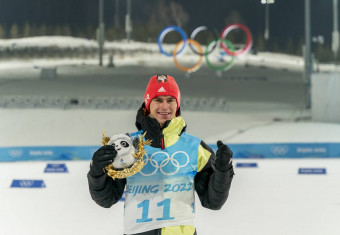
(286,132)
(132,51)
(270,199)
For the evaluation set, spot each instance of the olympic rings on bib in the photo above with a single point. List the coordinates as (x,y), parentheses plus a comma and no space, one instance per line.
(170,165)
(196,66)
(195,46)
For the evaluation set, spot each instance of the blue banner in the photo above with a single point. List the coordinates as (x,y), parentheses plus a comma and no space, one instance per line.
(246,164)
(56,168)
(28,184)
(46,153)
(242,151)
(312,171)
(285,150)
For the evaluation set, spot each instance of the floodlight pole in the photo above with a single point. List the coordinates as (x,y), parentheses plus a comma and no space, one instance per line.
(335,33)
(116,17)
(307,55)
(266,17)
(100,32)
(128,23)
(266,23)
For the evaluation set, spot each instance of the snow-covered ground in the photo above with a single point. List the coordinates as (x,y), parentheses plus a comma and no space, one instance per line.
(132,52)
(270,199)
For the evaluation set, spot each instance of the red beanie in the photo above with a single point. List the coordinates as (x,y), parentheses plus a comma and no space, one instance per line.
(161,85)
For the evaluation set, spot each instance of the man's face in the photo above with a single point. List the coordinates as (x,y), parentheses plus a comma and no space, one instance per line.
(163,108)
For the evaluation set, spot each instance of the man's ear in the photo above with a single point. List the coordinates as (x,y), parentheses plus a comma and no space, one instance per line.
(145,111)
(178,112)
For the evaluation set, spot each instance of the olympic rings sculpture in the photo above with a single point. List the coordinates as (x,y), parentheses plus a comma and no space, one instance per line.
(196,65)
(196,48)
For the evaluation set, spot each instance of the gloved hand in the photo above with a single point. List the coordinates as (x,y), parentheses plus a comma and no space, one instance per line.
(223,157)
(101,158)
(135,142)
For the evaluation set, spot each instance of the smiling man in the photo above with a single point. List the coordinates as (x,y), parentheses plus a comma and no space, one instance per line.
(160,199)
(162,98)
(163,108)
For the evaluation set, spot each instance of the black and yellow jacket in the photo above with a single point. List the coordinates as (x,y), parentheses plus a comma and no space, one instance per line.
(211,185)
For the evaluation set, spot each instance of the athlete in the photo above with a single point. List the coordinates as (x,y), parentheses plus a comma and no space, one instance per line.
(160,200)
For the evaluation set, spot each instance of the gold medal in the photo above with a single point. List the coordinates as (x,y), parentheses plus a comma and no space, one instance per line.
(138,155)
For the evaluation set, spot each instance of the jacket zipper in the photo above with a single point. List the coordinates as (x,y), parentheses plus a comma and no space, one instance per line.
(162,141)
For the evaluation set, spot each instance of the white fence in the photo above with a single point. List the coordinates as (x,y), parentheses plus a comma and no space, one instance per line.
(199,104)
(325,97)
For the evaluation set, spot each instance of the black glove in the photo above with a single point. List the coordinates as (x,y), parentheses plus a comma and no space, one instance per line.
(135,142)
(223,157)
(101,158)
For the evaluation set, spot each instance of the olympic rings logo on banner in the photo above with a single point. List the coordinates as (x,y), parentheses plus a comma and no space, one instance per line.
(15,153)
(221,42)
(164,166)
(279,149)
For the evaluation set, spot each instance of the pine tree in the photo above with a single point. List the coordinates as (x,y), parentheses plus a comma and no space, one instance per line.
(14,31)
(290,46)
(27,30)
(57,30)
(260,44)
(42,30)
(2,32)
(66,30)
(178,14)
